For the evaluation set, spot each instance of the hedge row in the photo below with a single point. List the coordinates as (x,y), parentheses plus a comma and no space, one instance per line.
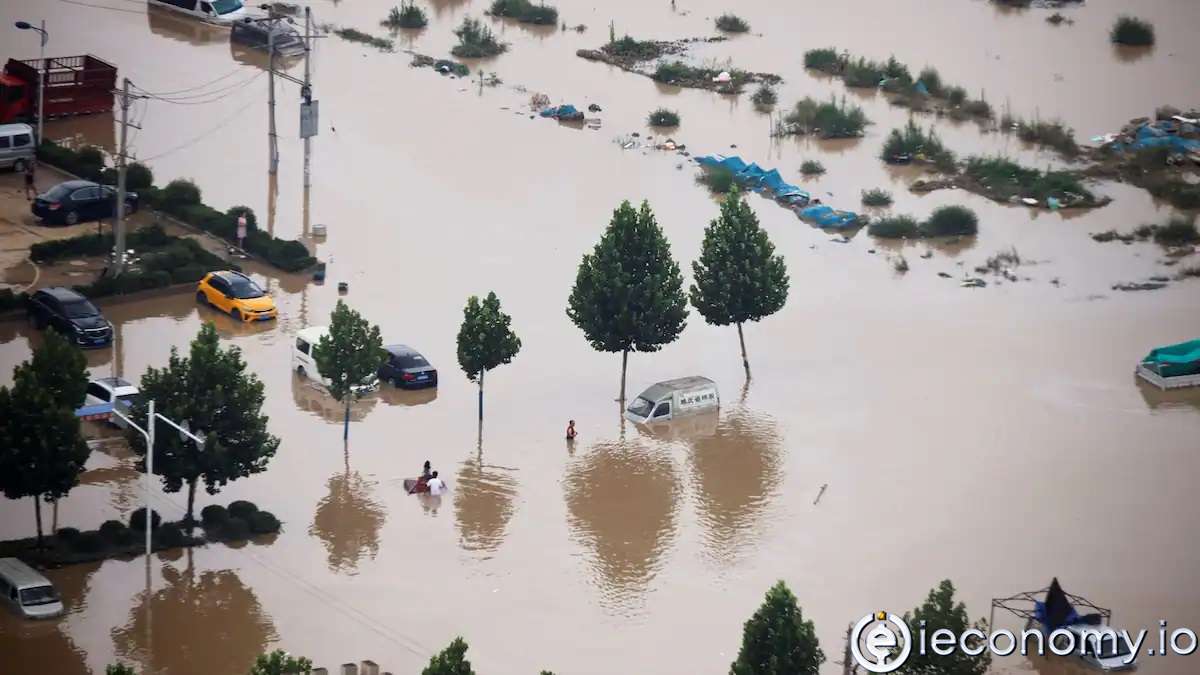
(88,163)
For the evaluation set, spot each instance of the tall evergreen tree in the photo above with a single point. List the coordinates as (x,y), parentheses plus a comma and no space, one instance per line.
(280,662)
(42,451)
(941,611)
(738,277)
(777,640)
(61,369)
(450,661)
(485,340)
(212,393)
(628,293)
(349,356)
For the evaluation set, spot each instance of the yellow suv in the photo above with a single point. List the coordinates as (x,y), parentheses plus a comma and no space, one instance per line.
(236,294)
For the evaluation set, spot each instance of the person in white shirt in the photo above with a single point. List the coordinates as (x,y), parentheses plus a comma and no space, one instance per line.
(435,484)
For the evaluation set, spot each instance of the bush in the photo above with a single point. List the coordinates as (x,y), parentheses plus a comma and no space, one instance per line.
(137,520)
(1004,179)
(407,15)
(88,542)
(949,221)
(188,273)
(1177,232)
(718,179)
(978,108)
(732,23)
(830,120)
(876,197)
(812,167)
(112,530)
(67,534)
(476,40)
(633,50)
(525,11)
(138,176)
(170,535)
(242,509)
(214,514)
(671,71)
(178,194)
(825,59)
(932,80)
(235,529)
(764,96)
(663,118)
(894,227)
(955,95)
(1132,31)
(913,142)
(354,35)
(264,522)
(862,73)
(10,301)
(1053,134)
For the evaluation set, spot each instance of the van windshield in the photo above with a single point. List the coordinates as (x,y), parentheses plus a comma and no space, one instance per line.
(38,595)
(641,407)
(226,6)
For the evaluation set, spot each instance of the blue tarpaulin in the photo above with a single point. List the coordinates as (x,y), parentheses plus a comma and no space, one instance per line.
(1158,135)
(756,178)
(827,217)
(565,111)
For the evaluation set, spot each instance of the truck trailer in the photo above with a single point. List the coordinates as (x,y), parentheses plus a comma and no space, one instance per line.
(75,85)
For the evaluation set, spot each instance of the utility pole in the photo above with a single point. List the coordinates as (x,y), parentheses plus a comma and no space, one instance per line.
(120,205)
(273,139)
(306,89)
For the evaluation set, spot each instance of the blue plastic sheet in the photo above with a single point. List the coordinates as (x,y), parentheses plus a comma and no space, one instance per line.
(827,217)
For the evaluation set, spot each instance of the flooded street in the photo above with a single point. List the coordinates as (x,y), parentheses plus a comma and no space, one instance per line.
(996,437)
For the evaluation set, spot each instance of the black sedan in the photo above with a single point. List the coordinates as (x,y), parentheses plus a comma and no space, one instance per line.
(71,314)
(407,369)
(80,201)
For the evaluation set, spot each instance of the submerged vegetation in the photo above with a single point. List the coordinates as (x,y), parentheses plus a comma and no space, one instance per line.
(1039,132)
(718,179)
(634,50)
(764,96)
(476,40)
(663,118)
(407,15)
(1132,31)
(915,144)
(525,11)
(876,197)
(732,23)
(1003,180)
(812,167)
(1177,231)
(831,119)
(631,55)
(354,35)
(945,221)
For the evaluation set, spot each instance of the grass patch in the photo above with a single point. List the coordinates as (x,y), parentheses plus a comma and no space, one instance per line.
(718,180)
(831,119)
(876,197)
(946,221)
(895,78)
(732,23)
(663,118)
(355,35)
(932,79)
(764,96)
(825,59)
(914,143)
(702,77)
(1132,31)
(407,15)
(1051,134)
(1177,231)
(633,50)
(525,11)
(476,40)
(1003,180)
(895,227)
(812,167)
(1192,272)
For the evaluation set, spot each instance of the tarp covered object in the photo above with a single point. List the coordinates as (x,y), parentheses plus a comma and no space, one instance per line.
(565,111)
(1175,360)
(828,217)
(1160,134)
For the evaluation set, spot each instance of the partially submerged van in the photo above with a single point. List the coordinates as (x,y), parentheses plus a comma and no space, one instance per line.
(674,398)
(305,364)
(219,12)
(27,592)
(16,146)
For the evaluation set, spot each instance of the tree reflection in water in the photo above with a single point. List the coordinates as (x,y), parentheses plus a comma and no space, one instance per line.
(483,505)
(348,521)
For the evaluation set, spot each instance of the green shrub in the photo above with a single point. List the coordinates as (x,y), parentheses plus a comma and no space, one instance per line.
(812,167)
(178,194)
(932,80)
(138,176)
(88,542)
(263,522)
(876,197)
(235,529)
(912,142)
(825,59)
(718,179)
(242,509)
(671,71)
(830,119)
(955,95)
(949,221)
(732,23)
(978,108)
(355,35)
(188,274)
(863,73)
(170,535)
(633,50)
(476,40)
(1004,179)
(137,520)
(119,669)
(112,529)
(525,11)
(251,219)
(407,15)
(126,537)
(663,118)
(1177,232)
(10,301)
(894,227)
(764,96)
(1052,134)
(1132,31)
(67,534)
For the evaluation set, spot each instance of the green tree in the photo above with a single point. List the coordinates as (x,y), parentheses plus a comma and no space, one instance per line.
(211,392)
(280,662)
(738,277)
(940,611)
(119,669)
(628,293)
(777,640)
(42,452)
(61,369)
(485,340)
(349,356)
(450,661)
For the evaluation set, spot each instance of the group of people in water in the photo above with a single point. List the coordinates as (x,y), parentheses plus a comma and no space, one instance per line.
(429,481)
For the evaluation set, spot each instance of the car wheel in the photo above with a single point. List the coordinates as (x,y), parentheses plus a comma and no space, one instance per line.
(72,218)
(19,166)
(201,298)
(236,314)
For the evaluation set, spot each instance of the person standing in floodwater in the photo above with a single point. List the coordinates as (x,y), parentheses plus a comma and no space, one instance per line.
(571,430)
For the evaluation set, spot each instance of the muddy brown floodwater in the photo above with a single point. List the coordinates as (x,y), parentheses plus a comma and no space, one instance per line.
(996,437)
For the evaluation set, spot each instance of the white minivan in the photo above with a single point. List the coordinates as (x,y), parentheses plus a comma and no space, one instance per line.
(674,398)
(16,146)
(27,592)
(304,363)
(220,12)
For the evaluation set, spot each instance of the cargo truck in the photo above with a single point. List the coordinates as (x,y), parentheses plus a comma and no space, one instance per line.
(75,85)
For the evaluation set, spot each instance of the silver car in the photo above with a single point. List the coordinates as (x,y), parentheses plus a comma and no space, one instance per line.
(27,592)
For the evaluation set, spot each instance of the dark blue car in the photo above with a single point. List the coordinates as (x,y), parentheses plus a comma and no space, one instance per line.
(71,314)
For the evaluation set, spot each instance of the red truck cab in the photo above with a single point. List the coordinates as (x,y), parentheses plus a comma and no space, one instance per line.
(75,85)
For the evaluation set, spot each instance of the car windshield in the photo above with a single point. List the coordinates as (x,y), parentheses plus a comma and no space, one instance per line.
(226,6)
(129,399)
(641,407)
(245,289)
(38,595)
(79,309)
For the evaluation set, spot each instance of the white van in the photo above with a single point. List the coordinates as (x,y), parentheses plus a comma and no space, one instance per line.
(674,398)
(16,146)
(305,365)
(27,592)
(220,12)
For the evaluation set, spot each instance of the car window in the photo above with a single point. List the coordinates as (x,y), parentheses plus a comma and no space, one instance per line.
(663,410)
(22,140)
(641,407)
(98,391)
(5,142)
(411,361)
(245,289)
(302,345)
(206,8)
(219,284)
(4,586)
(227,6)
(84,194)
(78,309)
(59,192)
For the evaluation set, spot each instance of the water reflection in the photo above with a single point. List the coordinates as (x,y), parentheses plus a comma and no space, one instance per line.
(622,503)
(483,504)
(1160,400)
(98,129)
(47,646)
(212,604)
(313,398)
(168,24)
(407,397)
(348,521)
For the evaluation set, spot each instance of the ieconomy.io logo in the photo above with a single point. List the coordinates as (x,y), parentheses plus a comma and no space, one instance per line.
(887,643)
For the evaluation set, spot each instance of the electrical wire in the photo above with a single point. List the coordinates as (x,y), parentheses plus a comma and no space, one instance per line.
(208,96)
(204,135)
(226,76)
(108,7)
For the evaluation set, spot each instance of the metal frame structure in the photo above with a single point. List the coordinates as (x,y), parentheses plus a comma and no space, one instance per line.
(1015,604)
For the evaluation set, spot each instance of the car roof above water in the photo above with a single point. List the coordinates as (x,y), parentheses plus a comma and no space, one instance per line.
(114,382)
(20,574)
(662,389)
(62,293)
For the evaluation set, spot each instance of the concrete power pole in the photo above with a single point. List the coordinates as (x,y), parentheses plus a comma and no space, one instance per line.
(273,144)
(306,89)
(120,206)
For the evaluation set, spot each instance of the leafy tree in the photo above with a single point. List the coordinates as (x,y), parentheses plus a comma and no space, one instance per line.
(280,662)
(61,369)
(450,661)
(777,640)
(940,611)
(119,669)
(628,294)
(212,393)
(41,450)
(349,356)
(738,277)
(485,340)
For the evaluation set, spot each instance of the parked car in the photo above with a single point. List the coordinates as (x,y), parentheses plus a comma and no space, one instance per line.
(219,12)
(116,391)
(237,295)
(27,592)
(16,146)
(71,314)
(287,41)
(407,369)
(674,398)
(305,364)
(78,201)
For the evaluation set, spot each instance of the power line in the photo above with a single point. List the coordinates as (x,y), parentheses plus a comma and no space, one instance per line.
(108,7)
(208,96)
(188,89)
(204,135)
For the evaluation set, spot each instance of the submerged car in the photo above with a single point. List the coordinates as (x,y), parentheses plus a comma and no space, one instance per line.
(27,592)
(237,295)
(71,314)
(79,201)
(117,391)
(674,398)
(407,369)
(304,361)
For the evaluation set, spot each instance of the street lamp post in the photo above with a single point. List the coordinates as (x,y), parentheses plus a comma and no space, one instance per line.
(25,25)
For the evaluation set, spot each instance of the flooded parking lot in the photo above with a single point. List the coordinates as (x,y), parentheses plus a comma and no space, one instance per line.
(996,437)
